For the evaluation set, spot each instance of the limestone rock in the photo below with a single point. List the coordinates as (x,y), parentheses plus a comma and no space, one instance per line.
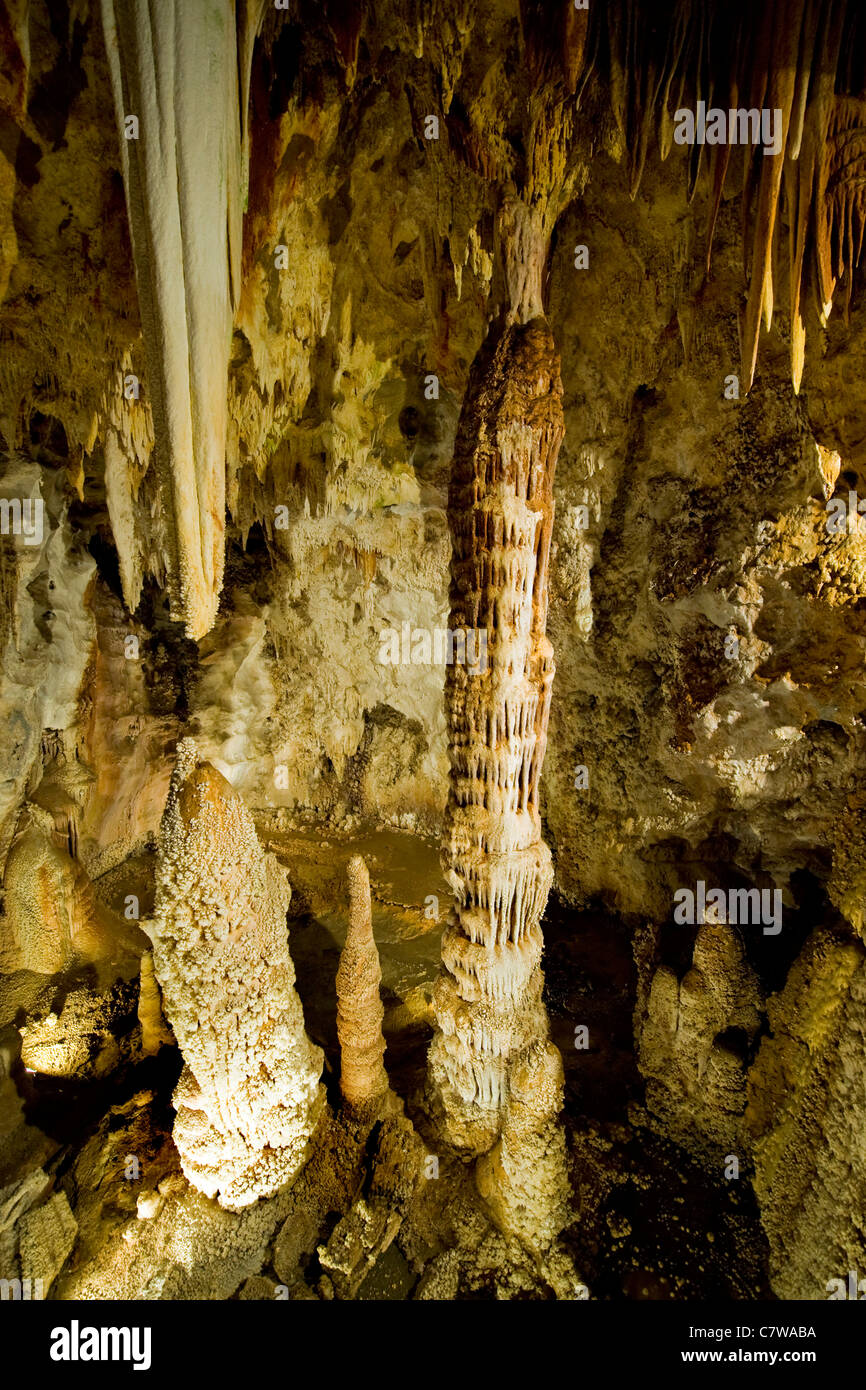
(154,1030)
(90,1035)
(47,1236)
(488,997)
(186,240)
(53,919)
(523,1177)
(258,1290)
(356,1243)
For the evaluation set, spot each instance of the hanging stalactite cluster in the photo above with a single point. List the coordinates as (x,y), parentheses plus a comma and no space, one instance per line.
(806,59)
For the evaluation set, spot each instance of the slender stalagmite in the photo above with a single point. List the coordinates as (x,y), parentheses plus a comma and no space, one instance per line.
(489,1011)
(363,1079)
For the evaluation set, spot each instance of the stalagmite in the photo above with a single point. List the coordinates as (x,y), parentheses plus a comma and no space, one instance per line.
(693,1036)
(363,1079)
(522,1178)
(174,72)
(53,920)
(806,1112)
(154,1029)
(248,1098)
(488,1003)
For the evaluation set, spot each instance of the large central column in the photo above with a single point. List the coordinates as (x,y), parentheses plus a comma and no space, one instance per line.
(488,1005)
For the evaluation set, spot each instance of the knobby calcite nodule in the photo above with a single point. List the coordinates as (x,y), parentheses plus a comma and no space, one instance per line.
(249,1097)
(488,1004)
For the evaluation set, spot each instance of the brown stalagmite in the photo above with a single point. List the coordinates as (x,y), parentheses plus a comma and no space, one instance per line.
(363,1079)
(488,1003)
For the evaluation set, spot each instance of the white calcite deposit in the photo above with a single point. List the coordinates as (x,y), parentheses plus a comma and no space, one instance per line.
(248,1097)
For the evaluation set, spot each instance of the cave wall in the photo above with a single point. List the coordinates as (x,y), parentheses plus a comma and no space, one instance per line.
(705,515)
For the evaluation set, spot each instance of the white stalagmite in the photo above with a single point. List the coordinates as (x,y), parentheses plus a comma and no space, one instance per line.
(174,67)
(248,1097)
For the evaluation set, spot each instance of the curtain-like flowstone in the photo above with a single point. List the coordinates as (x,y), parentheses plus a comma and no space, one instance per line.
(248,1097)
(174,69)
(488,1006)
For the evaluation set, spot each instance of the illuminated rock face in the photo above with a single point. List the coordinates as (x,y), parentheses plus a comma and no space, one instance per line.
(248,1097)
(488,1003)
(522,1178)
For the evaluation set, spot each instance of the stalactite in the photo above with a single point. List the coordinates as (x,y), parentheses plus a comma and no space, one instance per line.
(775,83)
(171,67)
(842,194)
(803,58)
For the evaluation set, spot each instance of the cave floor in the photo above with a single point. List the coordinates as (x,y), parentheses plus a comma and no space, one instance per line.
(653,1223)
(650,1223)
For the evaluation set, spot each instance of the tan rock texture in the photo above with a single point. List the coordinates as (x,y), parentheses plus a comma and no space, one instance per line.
(52,918)
(47,1235)
(523,1177)
(291,454)
(154,1030)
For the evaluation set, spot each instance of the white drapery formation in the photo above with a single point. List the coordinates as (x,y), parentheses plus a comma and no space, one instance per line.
(175,68)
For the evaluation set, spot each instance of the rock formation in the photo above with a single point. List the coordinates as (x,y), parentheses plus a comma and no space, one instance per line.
(488,1005)
(522,1178)
(47,1236)
(52,918)
(806,1109)
(248,1098)
(154,1029)
(175,75)
(296,301)
(363,1079)
(693,1038)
